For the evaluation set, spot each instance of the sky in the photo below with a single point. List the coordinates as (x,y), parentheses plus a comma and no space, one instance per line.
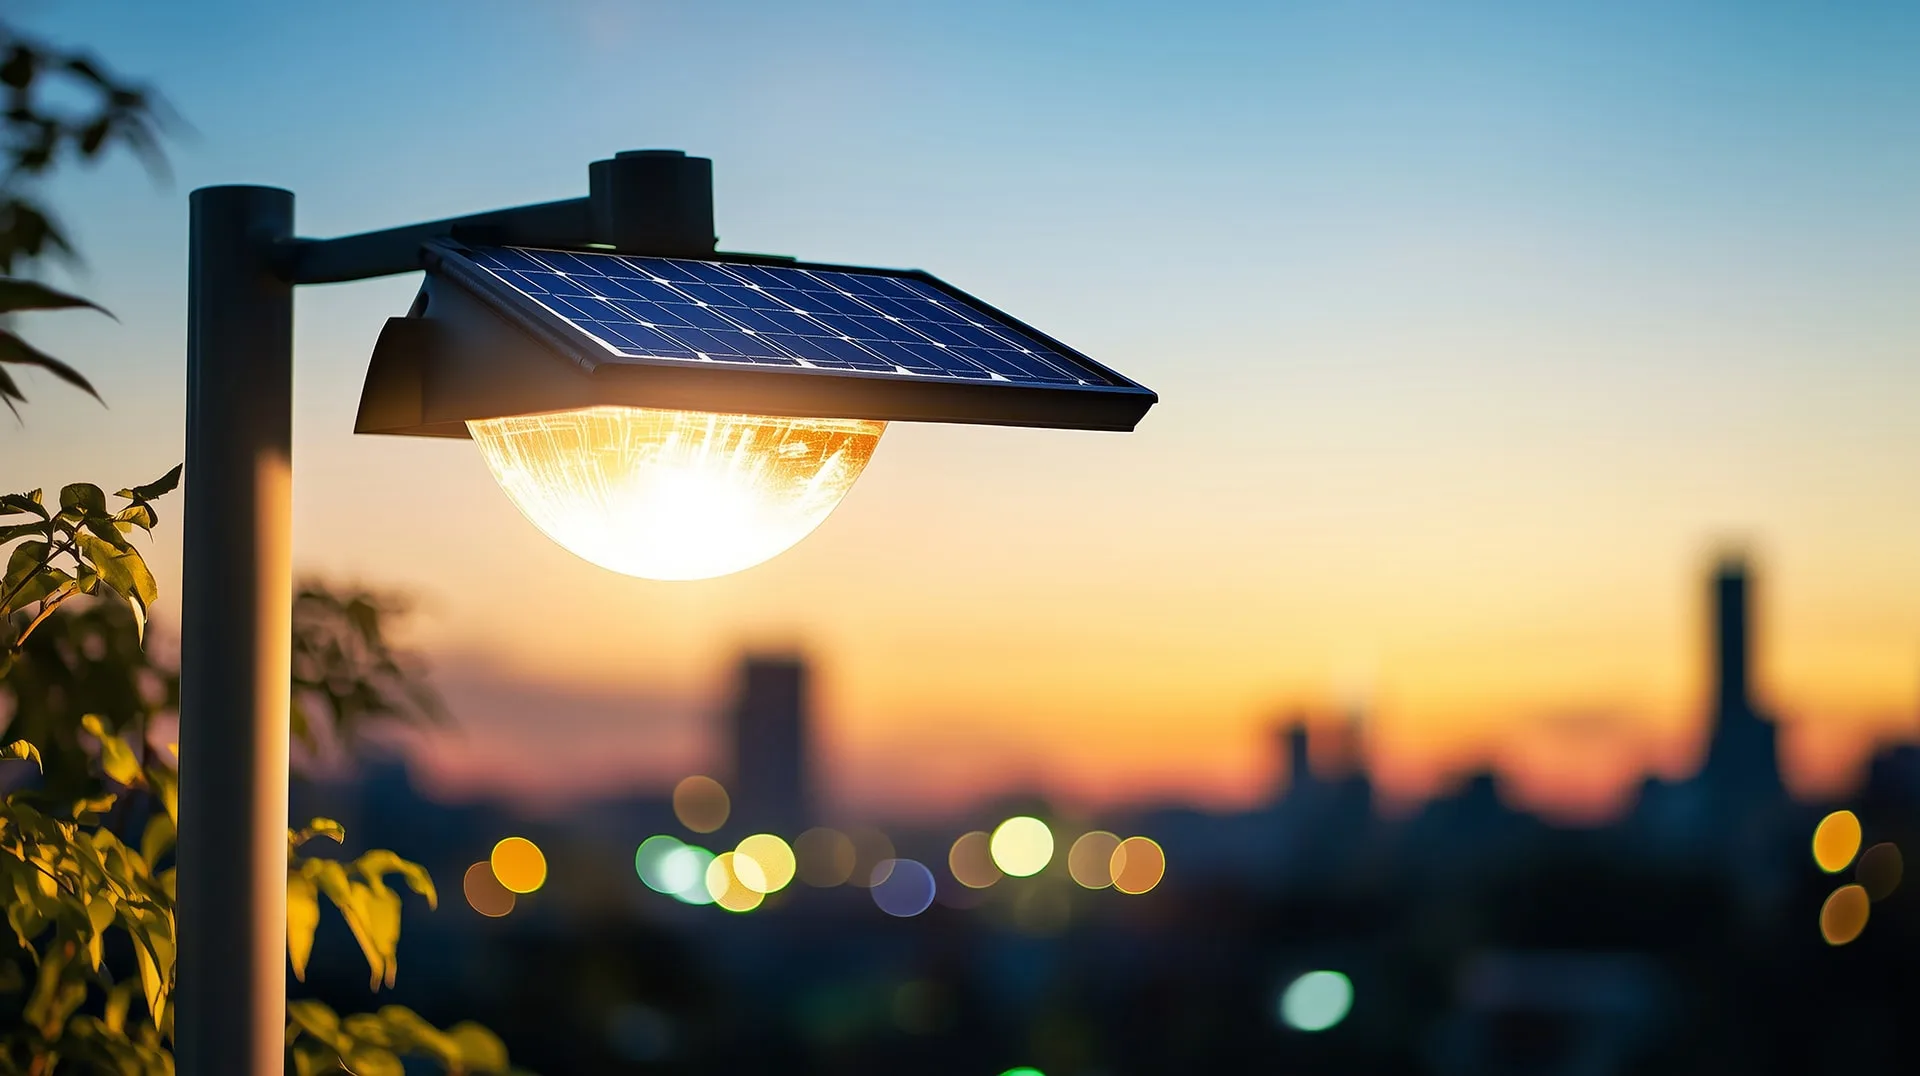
(1479,330)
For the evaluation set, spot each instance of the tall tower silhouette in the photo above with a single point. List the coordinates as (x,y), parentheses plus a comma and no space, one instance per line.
(769,721)
(1743,764)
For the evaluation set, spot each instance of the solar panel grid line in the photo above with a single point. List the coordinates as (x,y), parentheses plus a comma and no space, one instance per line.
(681,310)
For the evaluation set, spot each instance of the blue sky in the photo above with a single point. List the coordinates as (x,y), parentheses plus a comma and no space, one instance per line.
(1476,325)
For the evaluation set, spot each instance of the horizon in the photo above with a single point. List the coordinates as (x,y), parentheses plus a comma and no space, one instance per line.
(1471,353)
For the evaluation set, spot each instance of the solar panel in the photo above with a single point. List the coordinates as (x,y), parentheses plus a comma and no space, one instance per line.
(871,323)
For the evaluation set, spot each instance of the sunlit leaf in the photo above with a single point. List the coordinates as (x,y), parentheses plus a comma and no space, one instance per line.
(318,827)
(303,916)
(23,750)
(117,758)
(378,863)
(125,572)
(157,839)
(480,1050)
(84,498)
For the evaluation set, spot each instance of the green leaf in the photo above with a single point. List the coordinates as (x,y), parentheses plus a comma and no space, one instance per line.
(24,751)
(164,782)
(480,1050)
(319,827)
(84,498)
(139,515)
(47,584)
(108,531)
(20,353)
(23,504)
(314,1018)
(17,531)
(409,1031)
(159,487)
(26,558)
(125,572)
(303,916)
(117,757)
(18,294)
(378,863)
(372,1061)
(157,840)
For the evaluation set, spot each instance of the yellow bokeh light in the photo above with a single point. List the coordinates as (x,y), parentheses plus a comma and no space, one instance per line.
(1138,864)
(971,861)
(1836,841)
(772,862)
(728,888)
(484,891)
(519,864)
(825,857)
(701,804)
(674,494)
(1090,860)
(1844,915)
(1022,846)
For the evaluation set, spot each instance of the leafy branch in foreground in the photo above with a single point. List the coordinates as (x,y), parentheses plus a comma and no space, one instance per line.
(59,553)
(60,105)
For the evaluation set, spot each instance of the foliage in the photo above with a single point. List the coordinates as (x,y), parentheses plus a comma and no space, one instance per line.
(90,905)
(90,909)
(343,663)
(61,106)
(74,549)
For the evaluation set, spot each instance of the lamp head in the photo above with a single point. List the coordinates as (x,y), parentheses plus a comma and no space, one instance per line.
(681,418)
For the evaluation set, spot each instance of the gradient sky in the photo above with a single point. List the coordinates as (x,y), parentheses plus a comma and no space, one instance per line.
(1478,328)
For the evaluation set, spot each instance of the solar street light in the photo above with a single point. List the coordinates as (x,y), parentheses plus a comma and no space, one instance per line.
(656,406)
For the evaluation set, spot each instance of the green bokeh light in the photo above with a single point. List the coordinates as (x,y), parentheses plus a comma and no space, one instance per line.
(1316,1001)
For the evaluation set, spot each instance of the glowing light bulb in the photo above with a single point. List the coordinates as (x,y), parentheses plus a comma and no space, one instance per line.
(674,494)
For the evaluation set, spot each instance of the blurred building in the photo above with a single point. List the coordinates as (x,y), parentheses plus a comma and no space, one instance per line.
(1743,763)
(769,728)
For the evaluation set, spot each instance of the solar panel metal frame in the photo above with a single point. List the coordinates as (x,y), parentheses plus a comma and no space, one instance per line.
(450,361)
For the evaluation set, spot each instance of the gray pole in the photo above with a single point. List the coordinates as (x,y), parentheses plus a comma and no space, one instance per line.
(235,638)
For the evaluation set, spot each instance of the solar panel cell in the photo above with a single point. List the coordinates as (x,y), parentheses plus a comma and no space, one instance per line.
(651,309)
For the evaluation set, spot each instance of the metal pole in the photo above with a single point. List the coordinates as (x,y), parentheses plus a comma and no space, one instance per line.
(235,638)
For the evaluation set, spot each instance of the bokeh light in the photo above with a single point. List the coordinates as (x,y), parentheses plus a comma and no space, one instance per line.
(971,861)
(872,856)
(701,804)
(519,864)
(1879,870)
(824,857)
(1836,841)
(674,494)
(484,891)
(772,862)
(1316,1001)
(1090,860)
(1844,915)
(651,860)
(1022,846)
(684,872)
(906,890)
(728,888)
(1023,1070)
(1138,864)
